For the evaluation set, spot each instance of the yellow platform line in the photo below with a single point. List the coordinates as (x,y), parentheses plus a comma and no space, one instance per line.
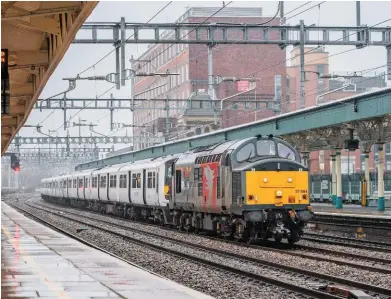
(41,273)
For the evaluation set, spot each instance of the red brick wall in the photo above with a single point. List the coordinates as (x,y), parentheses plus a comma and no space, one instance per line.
(265,61)
(239,61)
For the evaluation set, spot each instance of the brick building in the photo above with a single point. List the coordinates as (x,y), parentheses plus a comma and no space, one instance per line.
(190,61)
(317,62)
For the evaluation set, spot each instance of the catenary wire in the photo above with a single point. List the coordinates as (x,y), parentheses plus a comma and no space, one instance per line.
(120,44)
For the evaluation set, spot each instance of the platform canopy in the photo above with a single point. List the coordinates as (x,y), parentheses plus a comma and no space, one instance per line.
(35,35)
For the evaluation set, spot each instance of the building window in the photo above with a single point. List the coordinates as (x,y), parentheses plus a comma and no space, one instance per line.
(277,87)
(321,87)
(320,69)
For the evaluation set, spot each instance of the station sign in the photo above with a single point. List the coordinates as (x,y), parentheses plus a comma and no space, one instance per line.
(243,86)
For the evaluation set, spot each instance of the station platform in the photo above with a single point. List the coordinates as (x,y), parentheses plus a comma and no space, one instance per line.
(350,210)
(40,262)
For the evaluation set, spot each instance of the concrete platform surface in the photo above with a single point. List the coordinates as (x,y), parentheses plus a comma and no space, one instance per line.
(37,261)
(350,210)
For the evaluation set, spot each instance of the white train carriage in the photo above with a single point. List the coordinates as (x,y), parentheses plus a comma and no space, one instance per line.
(135,188)
(66,181)
(57,190)
(45,187)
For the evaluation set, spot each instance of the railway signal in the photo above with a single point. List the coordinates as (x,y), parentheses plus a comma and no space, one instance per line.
(15,163)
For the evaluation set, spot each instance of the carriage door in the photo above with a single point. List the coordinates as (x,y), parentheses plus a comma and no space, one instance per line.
(129,185)
(108,187)
(77,187)
(144,186)
(84,187)
(98,185)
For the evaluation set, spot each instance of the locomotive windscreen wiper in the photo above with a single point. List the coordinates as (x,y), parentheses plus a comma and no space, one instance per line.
(249,156)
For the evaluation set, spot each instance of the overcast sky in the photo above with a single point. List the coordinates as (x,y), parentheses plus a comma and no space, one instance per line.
(80,57)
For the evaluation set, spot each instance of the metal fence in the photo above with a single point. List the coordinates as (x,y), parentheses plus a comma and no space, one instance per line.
(320,186)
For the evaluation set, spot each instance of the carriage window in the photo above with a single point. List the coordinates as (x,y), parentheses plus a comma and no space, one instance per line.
(266,148)
(80,183)
(139,180)
(151,183)
(102,182)
(94,182)
(122,181)
(286,152)
(134,180)
(86,182)
(113,181)
(157,183)
(246,152)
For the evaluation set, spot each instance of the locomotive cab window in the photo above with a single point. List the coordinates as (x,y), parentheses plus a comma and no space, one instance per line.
(286,152)
(266,148)
(245,153)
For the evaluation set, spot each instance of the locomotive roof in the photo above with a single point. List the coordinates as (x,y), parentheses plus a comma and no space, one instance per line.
(213,149)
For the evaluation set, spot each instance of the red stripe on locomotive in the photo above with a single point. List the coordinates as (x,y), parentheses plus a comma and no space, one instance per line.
(209,184)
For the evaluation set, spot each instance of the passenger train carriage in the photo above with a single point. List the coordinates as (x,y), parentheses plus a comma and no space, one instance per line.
(249,189)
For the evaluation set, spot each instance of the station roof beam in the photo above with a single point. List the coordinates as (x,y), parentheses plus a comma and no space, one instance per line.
(36,35)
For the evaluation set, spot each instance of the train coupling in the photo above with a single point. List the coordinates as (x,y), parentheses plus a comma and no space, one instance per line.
(345,292)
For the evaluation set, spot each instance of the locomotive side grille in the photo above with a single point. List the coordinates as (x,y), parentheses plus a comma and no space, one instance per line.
(236,186)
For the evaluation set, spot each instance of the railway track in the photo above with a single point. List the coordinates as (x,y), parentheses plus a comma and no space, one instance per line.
(343,241)
(352,221)
(313,280)
(284,248)
(274,280)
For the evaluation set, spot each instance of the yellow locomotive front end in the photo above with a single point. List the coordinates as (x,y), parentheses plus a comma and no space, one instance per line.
(273,199)
(276,200)
(277,188)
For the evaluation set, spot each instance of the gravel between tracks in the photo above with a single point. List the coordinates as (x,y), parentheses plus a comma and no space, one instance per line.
(330,268)
(259,253)
(204,279)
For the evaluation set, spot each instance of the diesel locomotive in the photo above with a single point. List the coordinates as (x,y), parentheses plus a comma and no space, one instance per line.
(247,189)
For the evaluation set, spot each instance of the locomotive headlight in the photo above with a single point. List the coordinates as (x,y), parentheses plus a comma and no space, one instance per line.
(279,193)
(289,180)
(265,180)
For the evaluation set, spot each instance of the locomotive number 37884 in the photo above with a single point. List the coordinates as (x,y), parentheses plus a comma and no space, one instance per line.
(301,191)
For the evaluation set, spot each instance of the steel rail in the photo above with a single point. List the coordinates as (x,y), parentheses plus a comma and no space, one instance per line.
(339,280)
(267,246)
(263,278)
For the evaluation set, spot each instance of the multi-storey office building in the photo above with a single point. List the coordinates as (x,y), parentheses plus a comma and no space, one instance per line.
(191,62)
